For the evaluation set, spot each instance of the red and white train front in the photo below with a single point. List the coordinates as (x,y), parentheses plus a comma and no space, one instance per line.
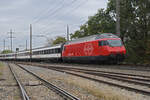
(112,49)
(103,47)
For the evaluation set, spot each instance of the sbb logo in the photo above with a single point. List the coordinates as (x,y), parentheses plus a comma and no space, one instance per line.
(88,49)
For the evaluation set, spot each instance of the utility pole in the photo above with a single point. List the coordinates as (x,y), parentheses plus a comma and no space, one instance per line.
(4,44)
(67,33)
(26,44)
(11,39)
(118,17)
(30,42)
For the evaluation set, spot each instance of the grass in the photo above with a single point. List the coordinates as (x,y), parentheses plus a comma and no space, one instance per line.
(1,69)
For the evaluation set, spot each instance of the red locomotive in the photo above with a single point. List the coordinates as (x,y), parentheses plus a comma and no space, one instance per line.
(97,48)
(105,47)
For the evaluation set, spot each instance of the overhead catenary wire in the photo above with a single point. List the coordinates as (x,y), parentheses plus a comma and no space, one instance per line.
(53,12)
(64,14)
(45,11)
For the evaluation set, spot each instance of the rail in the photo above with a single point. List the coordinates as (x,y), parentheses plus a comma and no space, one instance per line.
(58,90)
(23,92)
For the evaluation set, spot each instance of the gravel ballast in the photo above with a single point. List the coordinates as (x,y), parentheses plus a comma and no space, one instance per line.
(8,86)
(35,89)
(84,88)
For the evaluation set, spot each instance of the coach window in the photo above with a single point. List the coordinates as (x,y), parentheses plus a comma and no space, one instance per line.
(50,51)
(53,51)
(56,50)
(47,51)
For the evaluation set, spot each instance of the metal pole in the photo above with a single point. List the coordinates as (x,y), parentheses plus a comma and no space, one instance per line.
(118,17)
(26,44)
(4,44)
(11,39)
(67,33)
(30,42)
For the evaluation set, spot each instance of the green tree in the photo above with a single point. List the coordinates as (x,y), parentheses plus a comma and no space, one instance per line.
(135,25)
(59,40)
(6,51)
(101,22)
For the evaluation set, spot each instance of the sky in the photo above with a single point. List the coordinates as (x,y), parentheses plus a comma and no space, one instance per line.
(48,18)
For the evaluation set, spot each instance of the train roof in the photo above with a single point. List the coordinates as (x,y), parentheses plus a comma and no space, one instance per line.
(36,49)
(45,48)
(92,38)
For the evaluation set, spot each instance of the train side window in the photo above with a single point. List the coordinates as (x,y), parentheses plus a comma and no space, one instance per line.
(100,43)
(53,51)
(58,50)
(50,51)
(105,43)
(47,51)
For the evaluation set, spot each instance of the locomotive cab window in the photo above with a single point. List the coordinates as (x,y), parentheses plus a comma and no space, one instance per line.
(114,43)
(102,43)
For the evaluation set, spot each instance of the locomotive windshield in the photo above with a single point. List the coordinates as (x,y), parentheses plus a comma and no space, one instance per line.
(114,43)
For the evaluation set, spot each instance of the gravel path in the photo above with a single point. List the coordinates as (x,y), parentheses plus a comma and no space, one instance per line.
(34,87)
(85,89)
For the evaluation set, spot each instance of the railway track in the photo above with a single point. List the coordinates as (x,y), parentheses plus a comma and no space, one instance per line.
(140,80)
(145,92)
(66,95)
(21,87)
(118,66)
